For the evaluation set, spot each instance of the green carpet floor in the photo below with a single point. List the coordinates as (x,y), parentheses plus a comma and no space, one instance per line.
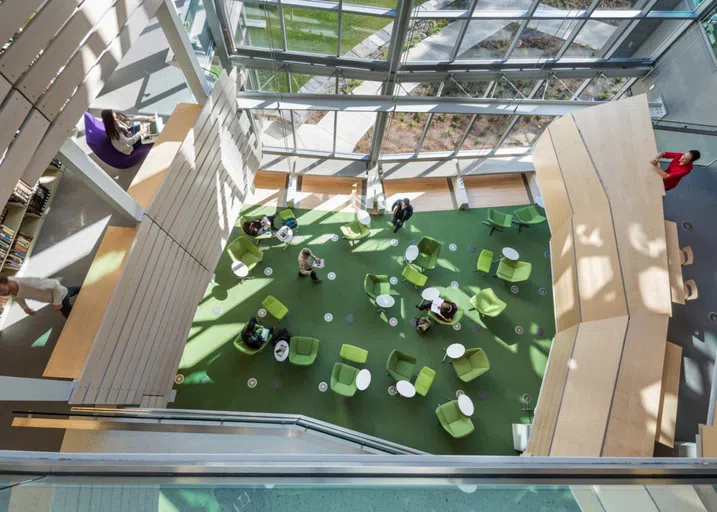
(216,375)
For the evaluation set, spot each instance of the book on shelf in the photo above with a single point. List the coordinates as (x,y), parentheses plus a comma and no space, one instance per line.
(6,237)
(22,193)
(18,252)
(38,201)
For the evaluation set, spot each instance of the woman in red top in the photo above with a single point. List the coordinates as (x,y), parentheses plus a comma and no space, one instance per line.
(680,166)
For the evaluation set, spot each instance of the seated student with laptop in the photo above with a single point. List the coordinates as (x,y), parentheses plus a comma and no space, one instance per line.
(445,309)
(126,132)
(253,334)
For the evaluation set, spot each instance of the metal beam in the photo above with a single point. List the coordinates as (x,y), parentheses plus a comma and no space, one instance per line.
(216,21)
(576,30)
(98,180)
(182,48)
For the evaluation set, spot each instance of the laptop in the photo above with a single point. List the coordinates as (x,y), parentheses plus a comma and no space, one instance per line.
(154,129)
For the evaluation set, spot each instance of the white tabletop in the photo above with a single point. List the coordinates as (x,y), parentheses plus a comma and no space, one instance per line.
(363,217)
(455,351)
(430,294)
(465,404)
(240,269)
(539,201)
(284,233)
(385,301)
(511,254)
(521,436)
(281,351)
(411,252)
(405,388)
(363,379)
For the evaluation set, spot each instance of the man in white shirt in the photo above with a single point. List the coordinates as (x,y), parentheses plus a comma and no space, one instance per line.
(49,291)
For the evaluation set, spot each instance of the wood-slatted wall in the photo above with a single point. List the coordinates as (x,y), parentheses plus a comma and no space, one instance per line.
(58,55)
(138,345)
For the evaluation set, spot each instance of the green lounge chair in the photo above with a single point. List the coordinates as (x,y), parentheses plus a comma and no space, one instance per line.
(343,379)
(375,285)
(498,220)
(284,215)
(485,260)
(353,354)
(471,365)
(246,349)
(354,231)
(243,250)
(400,365)
(453,420)
(513,271)
(424,380)
(487,303)
(276,308)
(303,351)
(428,251)
(414,276)
(528,216)
(257,239)
(456,317)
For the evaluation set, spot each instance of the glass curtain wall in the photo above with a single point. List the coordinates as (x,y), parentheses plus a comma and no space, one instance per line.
(544,50)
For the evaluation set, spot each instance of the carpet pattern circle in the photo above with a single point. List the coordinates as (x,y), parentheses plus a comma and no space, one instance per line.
(328,317)
(252,382)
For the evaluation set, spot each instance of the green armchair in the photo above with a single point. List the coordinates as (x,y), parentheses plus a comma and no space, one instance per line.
(424,380)
(343,379)
(275,307)
(354,231)
(428,251)
(414,276)
(453,420)
(284,215)
(353,353)
(243,250)
(400,365)
(528,216)
(485,260)
(487,303)
(246,349)
(456,317)
(471,365)
(513,271)
(498,220)
(375,285)
(258,239)
(303,351)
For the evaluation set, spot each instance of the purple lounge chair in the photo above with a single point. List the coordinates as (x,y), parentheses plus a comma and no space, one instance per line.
(100,144)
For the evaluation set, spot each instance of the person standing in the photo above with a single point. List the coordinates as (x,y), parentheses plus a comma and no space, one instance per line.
(680,166)
(306,264)
(402,211)
(49,291)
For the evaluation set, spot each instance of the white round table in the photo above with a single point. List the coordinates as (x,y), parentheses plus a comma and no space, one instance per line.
(455,351)
(411,253)
(285,234)
(385,301)
(363,217)
(465,404)
(281,351)
(405,389)
(430,294)
(363,379)
(540,202)
(240,269)
(510,254)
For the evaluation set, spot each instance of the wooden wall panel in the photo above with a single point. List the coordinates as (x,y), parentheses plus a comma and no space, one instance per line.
(667,415)
(550,180)
(564,271)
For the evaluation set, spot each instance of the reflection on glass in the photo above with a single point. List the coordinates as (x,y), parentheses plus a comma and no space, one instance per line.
(445,132)
(513,89)
(487,39)
(485,132)
(526,131)
(542,39)
(316,131)
(710,27)
(602,89)
(351,130)
(195,23)
(463,89)
(616,4)
(355,32)
(431,40)
(591,38)
(309,30)
(559,88)
(263,29)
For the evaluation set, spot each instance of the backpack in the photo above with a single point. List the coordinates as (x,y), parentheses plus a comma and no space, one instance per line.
(281,334)
(291,222)
(423,324)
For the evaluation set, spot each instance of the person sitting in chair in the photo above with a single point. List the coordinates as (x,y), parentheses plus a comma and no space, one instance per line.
(258,227)
(251,334)
(448,310)
(124,132)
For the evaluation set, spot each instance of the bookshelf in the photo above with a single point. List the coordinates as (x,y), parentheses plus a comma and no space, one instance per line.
(21,221)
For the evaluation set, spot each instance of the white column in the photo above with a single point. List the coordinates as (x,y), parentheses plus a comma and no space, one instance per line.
(291,191)
(98,180)
(459,188)
(183,51)
(375,197)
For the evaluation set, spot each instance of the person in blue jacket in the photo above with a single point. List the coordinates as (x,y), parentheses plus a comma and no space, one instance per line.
(402,211)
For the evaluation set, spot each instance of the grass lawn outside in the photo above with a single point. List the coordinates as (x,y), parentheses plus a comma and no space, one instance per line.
(216,374)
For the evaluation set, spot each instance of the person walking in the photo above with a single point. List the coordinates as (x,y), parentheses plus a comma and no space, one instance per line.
(49,291)
(307,260)
(680,166)
(402,211)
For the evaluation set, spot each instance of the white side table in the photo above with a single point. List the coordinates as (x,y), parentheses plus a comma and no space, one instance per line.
(405,389)
(385,301)
(285,234)
(363,217)
(510,254)
(540,202)
(281,351)
(363,379)
(466,406)
(454,351)
(430,294)
(521,436)
(240,270)
(411,253)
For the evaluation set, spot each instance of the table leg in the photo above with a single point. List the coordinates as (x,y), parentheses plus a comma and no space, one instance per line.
(445,354)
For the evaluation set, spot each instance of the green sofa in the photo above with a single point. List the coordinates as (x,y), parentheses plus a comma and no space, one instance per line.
(243,250)
(471,365)
(453,420)
(343,379)
(303,350)
(400,365)
(428,251)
